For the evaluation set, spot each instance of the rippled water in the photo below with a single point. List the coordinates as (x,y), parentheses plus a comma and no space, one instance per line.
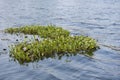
(99,19)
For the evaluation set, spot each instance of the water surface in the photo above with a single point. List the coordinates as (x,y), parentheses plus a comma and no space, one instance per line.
(99,19)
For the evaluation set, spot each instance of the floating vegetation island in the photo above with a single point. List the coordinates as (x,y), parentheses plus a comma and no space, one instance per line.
(44,31)
(55,40)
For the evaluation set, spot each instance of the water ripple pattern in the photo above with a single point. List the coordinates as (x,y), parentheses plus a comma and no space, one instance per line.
(99,19)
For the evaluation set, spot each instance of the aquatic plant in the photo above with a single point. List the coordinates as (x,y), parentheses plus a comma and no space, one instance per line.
(27,52)
(49,31)
(59,43)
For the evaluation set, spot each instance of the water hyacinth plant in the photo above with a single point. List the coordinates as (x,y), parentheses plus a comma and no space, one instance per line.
(55,41)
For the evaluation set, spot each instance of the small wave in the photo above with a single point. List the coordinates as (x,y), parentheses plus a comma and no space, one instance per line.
(116,48)
(115,24)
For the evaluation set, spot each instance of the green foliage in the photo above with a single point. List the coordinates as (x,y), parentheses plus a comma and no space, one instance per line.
(56,41)
(49,31)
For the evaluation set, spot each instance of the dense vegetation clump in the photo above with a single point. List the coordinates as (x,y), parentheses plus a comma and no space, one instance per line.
(44,31)
(55,41)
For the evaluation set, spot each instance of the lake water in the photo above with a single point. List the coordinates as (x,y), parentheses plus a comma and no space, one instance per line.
(99,19)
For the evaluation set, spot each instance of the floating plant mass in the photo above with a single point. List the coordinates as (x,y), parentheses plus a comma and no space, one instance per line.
(55,41)
(44,31)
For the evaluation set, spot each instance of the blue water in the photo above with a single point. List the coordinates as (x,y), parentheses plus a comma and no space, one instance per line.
(99,19)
